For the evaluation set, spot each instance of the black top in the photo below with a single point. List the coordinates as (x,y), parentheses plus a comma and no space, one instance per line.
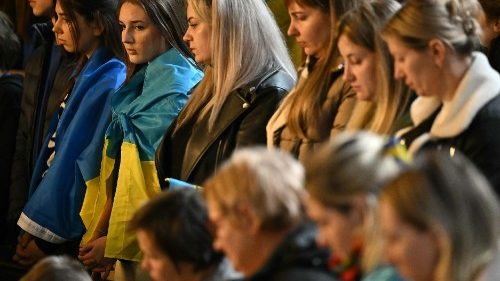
(192,153)
(297,258)
(11,87)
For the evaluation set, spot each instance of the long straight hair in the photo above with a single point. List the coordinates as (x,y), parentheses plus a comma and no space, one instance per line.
(169,17)
(310,94)
(246,44)
(361,26)
(102,12)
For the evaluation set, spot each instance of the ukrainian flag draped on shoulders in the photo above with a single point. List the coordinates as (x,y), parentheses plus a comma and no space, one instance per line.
(56,192)
(142,110)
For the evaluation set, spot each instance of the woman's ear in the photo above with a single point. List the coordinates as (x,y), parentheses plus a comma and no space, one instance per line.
(359,210)
(97,28)
(249,218)
(496,26)
(437,49)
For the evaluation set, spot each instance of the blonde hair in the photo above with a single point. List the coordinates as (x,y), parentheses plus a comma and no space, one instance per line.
(354,164)
(310,95)
(448,196)
(362,26)
(451,21)
(246,44)
(270,181)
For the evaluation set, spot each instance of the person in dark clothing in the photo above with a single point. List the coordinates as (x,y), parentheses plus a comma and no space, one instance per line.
(458,104)
(46,74)
(254,202)
(10,102)
(489,19)
(232,104)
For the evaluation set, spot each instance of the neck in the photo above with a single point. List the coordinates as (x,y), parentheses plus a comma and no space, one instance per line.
(267,243)
(454,72)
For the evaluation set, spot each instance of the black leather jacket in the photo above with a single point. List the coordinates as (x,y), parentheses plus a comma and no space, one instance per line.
(193,155)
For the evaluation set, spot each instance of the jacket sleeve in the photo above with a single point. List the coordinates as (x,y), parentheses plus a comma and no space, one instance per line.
(482,147)
(9,116)
(347,101)
(20,170)
(252,130)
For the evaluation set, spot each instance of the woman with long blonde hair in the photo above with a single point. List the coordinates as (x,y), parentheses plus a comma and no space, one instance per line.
(247,73)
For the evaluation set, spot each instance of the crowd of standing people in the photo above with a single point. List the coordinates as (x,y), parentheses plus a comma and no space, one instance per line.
(176,140)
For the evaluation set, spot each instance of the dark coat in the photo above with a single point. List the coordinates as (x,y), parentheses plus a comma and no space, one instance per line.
(480,142)
(11,87)
(494,54)
(297,258)
(36,112)
(193,155)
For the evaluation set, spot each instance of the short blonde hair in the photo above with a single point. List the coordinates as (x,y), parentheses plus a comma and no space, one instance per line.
(270,181)
(449,196)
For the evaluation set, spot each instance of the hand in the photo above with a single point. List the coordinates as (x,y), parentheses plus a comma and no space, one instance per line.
(102,272)
(92,254)
(27,252)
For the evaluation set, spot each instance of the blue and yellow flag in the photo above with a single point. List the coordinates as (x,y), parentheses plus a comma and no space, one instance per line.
(142,111)
(56,192)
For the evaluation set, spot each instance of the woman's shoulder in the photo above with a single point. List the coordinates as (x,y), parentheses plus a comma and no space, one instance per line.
(276,79)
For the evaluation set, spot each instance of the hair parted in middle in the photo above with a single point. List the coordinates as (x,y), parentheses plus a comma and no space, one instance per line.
(310,95)
(169,16)
(246,44)
(362,26)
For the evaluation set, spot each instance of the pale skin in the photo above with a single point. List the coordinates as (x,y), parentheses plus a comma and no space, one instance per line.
(244,244)
(359,68)
(339,232)
(198,37)
(415,253)
(435,71)
(89,33)
(41,8)
(311,28)
(142,40)
(160,266)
